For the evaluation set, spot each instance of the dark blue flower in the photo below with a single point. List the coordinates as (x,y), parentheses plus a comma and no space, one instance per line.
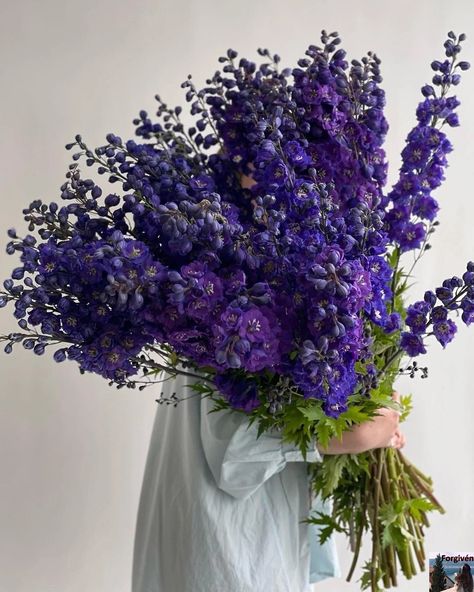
(425,207)
(416,317)
(412,344)
(241,393)
(411,236)
(444,331)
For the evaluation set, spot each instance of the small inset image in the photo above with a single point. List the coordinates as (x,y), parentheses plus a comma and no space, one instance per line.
(451,571)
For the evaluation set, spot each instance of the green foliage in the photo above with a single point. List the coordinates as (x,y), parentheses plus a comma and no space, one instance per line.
(363,494)
(407,406)
(370,577)
(418,505)
(202,388)
(394,532)
(327,525)
(334,466)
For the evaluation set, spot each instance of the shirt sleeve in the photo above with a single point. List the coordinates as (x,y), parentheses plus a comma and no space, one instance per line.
(239,460)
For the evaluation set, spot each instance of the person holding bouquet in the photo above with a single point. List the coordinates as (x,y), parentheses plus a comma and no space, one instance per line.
(287,319)
(222,509)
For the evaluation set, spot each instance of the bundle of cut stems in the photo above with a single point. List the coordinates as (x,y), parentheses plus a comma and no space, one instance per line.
(394,502)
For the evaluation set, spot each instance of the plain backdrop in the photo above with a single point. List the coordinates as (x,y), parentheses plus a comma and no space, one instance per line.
(72,450)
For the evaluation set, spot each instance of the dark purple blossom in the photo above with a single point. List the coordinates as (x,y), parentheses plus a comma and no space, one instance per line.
(416,317)
(444,331)
(412,344)
(240,392)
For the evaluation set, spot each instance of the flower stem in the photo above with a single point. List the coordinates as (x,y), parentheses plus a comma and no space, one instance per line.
(379,462)
(360,530)
(418,480)
(390,560)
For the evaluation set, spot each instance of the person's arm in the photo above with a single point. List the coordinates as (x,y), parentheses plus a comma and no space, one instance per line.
(241,462)
(381,432)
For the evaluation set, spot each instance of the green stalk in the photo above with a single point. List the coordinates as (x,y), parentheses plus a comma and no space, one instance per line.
(386,577)
(375,527)
(418,543)
(394,279)
(391,561)
(384,563)
(412,561)
(418,481)
(413,523)
(360,531)
(403,554)
(389,555)
(415,493)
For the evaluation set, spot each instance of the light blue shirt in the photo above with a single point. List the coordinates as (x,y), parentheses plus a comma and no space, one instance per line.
(221,510)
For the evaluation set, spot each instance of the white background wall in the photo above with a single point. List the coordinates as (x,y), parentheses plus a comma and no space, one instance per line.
(72,450)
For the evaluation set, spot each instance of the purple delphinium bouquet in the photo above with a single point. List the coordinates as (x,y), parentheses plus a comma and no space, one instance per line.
(258,251)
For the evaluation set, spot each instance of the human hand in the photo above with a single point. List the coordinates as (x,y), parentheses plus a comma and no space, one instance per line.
(380,432)
(387,432)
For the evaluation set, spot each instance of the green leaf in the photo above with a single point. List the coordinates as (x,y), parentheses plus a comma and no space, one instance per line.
(360,368)
(421,504)
(200,387)
(366,580)
(407,406)
(362,462)
(333,467)
(174,359)
(355,414)
(393,535)
(394,257)
(328,525)
(313,413)
(339,426)
(388,514)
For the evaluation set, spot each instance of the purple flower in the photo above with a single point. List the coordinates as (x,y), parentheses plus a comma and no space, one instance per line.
(276,173)
(444,331)
(303,191)
(430,298)
(254,326)
(411,236)
(342,383)
(416,317)
(201,182)
(425,207)
(439,314)
(240,392)
(296,154)
(412,344)
(212,287)
(134,250)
